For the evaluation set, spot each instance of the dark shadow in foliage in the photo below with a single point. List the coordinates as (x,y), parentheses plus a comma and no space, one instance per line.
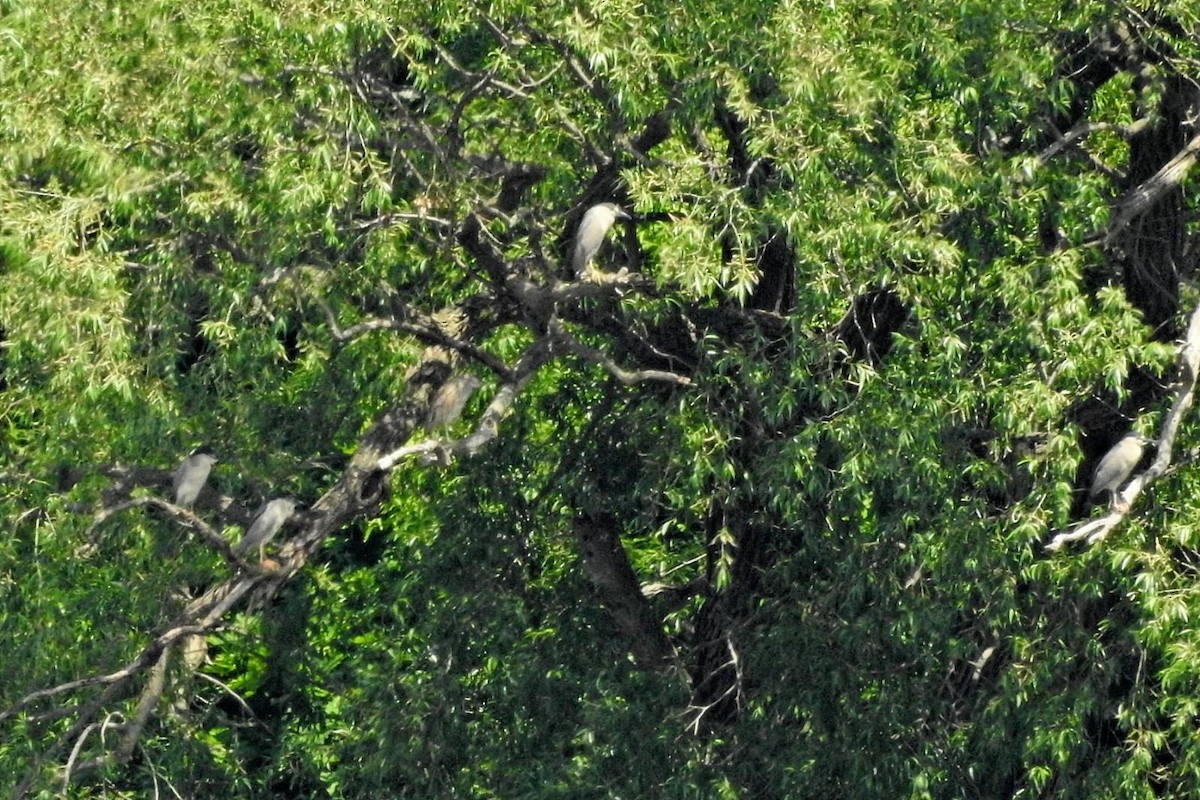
(868,325)
(717,674)
(1149,252)
(390,76)
(776,287)
(195,346)
(356,549)
(278,700)
(719,690)
(715,685)
(289,338)
(1088,63)
(1150,249)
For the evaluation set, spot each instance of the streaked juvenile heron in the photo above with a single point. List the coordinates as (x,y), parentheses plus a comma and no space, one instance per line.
(448,403)
(592,229)
(191,475)
(273,516)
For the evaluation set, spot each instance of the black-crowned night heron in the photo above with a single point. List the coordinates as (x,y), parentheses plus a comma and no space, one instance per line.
(273,516)
(1117,465)
(592,230)
(191,475)
(448,403)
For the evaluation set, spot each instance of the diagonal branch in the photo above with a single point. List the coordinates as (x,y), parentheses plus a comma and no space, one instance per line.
(627,377)
(1188,361)
(1142,198)
(185,516)
(1086,129)
(534,358)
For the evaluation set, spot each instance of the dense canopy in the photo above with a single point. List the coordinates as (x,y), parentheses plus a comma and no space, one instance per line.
(785,496)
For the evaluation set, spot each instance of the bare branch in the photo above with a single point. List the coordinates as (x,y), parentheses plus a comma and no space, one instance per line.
(735,689)
(201,616)
(399,216)
(1141,199)
(82,738)
(183,515)
(627,377)
(359,488)
(427,332)
(1086,129)
(237,698)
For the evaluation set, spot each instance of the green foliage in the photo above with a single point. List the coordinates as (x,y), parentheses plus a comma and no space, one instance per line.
(191,194)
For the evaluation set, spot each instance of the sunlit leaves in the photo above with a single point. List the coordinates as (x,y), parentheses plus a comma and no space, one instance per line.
(196,198)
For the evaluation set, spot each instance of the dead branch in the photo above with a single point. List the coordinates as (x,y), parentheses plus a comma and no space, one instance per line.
(627,377)
(186,517)
(735,689)
(383,220)
(237,698)
(79,743)
(1188,361)
(1142,198)
(1088,128)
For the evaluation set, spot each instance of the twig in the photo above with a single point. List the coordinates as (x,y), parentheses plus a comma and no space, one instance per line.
(79,742)
(237,698)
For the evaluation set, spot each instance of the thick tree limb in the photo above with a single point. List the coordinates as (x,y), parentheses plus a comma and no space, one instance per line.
(607,565)
(1188,361)
(151,694)
(1142,198)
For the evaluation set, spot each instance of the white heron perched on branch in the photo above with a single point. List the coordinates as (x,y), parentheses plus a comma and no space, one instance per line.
(191,475)
(592,229)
